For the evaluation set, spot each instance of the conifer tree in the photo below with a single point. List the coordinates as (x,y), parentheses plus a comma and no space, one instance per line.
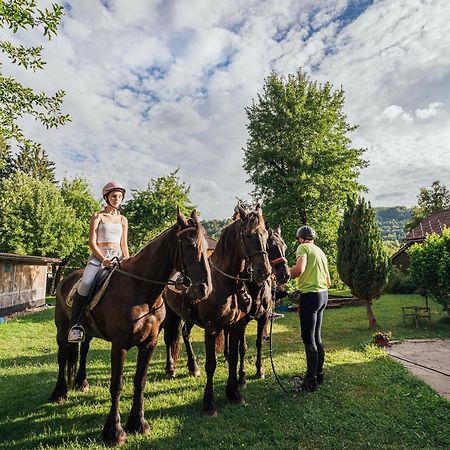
(33,160)
(362,262)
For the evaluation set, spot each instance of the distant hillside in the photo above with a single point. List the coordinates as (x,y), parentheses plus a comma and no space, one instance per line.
(391,221)
(215,226)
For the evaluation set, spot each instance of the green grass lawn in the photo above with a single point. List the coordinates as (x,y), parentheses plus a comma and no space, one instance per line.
(367,401)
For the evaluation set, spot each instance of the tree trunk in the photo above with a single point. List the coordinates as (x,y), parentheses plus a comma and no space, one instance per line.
(373,325)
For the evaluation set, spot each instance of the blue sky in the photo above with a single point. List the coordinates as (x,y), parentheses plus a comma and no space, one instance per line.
(153,85)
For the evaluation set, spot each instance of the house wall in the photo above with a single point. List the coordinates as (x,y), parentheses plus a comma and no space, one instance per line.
(402,262)
(21,286)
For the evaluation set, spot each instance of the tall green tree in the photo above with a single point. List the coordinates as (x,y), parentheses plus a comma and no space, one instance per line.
(6,159)
(430,267)
(299,158)
(362,262)
(17,100)
(34,219)
(435,199)
(152,210)
(33,160)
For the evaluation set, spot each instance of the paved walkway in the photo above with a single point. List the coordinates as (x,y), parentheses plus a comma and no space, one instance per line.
(433,353)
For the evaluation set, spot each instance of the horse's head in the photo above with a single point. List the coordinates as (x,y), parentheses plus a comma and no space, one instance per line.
(253,243)
(276,248)
(192,260)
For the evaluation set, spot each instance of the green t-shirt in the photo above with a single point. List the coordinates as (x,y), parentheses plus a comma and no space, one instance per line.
(314,278)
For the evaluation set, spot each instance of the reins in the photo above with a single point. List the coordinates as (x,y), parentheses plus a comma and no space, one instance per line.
(179,251)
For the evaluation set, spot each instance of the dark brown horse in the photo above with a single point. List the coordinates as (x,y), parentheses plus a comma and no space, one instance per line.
(240,254)
(261,305)
(130,314)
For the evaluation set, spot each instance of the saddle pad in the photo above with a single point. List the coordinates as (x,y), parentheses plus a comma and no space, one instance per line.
(97,296)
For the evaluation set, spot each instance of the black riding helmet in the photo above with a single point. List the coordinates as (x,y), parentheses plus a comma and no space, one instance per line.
(306,232)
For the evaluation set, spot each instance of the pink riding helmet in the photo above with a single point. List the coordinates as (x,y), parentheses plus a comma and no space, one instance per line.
(112,186)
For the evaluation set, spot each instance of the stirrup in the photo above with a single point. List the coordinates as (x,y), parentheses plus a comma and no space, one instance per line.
(76,334)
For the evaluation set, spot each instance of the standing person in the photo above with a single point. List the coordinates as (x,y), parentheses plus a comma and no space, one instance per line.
(313,280)
(108,238)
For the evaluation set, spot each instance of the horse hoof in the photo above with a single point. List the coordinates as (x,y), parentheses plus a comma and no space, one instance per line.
(194,373)
(170,375)
(238,401)
(138,428)
(209,413)
(114,439)
(82,387)
(58,397)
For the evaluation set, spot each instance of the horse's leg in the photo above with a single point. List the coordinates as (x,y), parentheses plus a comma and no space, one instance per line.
(262,324)
(235,335)
(226,349)
(209,408)
(194,371)
(113,433)
(67,358)
(242,381)
(171,339)
(136,421)
(80,381)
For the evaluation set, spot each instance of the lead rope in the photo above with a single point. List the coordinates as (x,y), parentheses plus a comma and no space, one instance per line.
(270,347)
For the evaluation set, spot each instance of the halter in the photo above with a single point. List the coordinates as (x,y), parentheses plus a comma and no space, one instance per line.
(274,262)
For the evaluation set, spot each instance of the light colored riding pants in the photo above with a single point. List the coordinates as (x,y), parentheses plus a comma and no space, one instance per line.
(93,266)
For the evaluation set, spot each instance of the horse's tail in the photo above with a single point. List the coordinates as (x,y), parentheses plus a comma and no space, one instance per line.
(220,342)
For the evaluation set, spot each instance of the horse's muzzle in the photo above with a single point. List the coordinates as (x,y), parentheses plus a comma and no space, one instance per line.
(200,291)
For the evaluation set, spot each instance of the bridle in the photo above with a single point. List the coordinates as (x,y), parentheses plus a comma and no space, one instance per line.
(248,258)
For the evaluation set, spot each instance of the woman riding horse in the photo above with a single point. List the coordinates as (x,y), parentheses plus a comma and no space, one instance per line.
(131,313)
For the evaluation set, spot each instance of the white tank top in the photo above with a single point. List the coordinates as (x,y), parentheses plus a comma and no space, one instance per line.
(109,232)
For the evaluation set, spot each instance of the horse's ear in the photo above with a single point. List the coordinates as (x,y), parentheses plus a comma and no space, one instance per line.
(258,210)
(278,229)
(242,212)
(194,215)
(181,220)
(266,224)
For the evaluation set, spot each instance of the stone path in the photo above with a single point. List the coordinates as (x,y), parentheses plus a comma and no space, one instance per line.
(433,353)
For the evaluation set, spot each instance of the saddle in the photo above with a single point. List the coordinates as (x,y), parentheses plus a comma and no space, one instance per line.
(98,288)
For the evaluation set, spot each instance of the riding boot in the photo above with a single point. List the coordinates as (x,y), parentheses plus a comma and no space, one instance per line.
(321,358)
(76,332)
(310,381)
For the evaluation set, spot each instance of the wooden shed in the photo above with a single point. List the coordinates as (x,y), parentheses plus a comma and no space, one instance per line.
(23,281)
(434,223)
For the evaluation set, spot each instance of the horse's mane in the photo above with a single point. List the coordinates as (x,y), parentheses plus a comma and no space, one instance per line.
(191,222)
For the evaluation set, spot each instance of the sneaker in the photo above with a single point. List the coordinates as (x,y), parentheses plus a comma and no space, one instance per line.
(275,316)
(76,334)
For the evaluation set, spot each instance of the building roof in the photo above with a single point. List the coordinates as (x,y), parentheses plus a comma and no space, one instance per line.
(211,243)
(35,260)
(434,223)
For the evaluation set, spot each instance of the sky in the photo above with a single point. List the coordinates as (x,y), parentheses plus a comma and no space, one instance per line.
(153,85)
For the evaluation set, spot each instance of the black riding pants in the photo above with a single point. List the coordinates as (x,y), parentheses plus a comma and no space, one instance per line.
(312,306)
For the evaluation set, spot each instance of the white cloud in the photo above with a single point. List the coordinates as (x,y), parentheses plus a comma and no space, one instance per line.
(153,85)
(426,113)
(393,112)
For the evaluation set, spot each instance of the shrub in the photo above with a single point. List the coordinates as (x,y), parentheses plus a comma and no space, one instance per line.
(400,283)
